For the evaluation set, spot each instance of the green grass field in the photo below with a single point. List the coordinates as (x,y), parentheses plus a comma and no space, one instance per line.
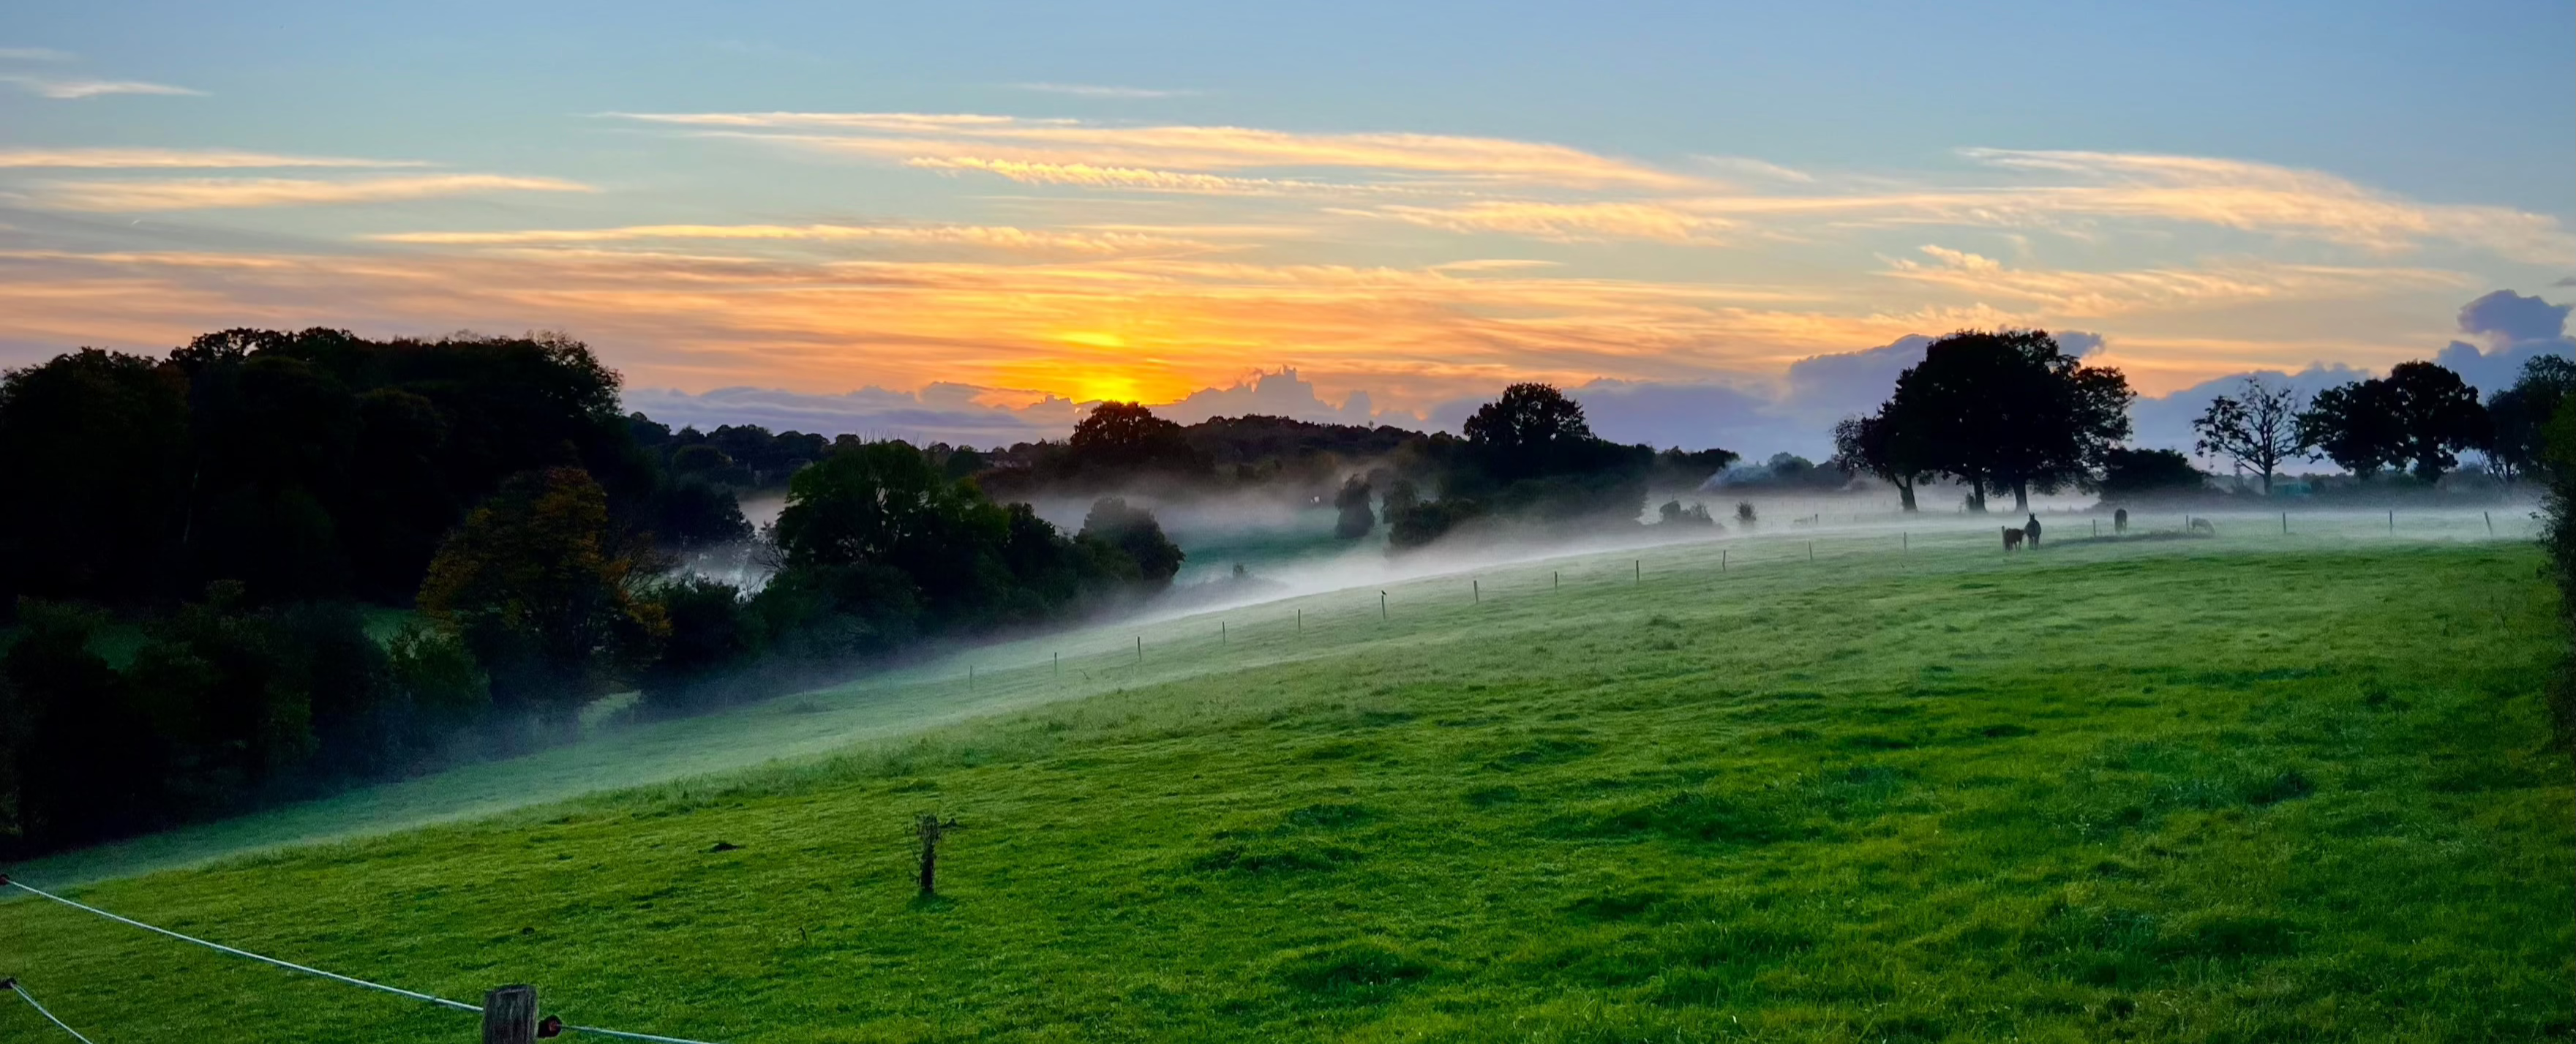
(2238,790)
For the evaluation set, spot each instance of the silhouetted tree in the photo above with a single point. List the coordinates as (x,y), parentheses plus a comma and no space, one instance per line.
(1127,437)
(2421,413)
(1873,446)
(2134,474)
(2258,427)
(1527,430)
(1355,519)
(1133,531)
(2521,414)
(2355,425)
(2008,409)
(95,453)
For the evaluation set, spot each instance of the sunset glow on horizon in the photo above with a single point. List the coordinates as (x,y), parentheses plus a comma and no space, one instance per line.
(946,201)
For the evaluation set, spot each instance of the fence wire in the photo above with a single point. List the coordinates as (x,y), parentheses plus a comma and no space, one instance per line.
(292,966)
(20,988)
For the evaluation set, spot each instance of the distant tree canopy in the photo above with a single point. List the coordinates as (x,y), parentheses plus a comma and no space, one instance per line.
(1124,436)
(304,465)
(2008,410)
(2130,475)
(1352,518)
(2420,414)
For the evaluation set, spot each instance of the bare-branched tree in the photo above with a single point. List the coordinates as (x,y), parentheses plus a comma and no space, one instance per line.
(2257,428)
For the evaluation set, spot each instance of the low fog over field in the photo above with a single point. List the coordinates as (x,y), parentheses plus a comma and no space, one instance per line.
(1322,606)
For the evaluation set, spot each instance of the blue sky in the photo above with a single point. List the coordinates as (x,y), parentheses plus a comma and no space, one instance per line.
(1417,201)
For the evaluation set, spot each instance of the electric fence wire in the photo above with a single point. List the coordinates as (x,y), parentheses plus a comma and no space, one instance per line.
(291,966)
(20,988)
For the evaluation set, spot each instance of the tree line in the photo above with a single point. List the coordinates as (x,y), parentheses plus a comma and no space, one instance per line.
(270,564)
(2416,421)
(2009,410)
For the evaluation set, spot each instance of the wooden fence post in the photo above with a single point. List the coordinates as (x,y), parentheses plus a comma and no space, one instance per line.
(510,1015)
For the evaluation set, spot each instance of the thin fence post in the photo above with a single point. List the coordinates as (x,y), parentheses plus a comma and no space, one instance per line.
(1381,607)
(1721,560)
(1555,579)
(2392,521)
(1640,566)
(2097,527)
(1140,648)
(1301,621)
(510,1015)
(970,677)
(1220,632)
(2285,523)
(1811,550)
(2490,517)
(1059,666)
(1476,591)
(1904,542)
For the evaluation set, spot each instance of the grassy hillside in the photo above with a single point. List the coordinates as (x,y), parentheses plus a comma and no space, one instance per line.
(2179,790)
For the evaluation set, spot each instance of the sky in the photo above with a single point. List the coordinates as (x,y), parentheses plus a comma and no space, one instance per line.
(962,220)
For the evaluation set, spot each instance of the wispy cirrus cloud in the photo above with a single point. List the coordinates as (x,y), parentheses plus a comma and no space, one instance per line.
(135,196)
(2224,283)
(70,89)
(33,54)
(2262,197)
(903,136)
(1093,90)
(1001,237)
(1138,178)
(1564,222)
(150,158)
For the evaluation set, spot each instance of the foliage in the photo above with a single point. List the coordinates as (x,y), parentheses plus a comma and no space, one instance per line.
(1420,523)
(2521,415)
(1674,514)
(1873,445)
(2008,410)
(2258,427)
(2559,537)
(82,761)
(1353,519)
(2421,413)
(1527,431)
(534,587)
(2131,475)
(1134,533)
(311,465)
(1124,437)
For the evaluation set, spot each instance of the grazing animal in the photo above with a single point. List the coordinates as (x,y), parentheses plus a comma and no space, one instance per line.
(2120,522)
(2012,537)
(2033,530)
(2202,525)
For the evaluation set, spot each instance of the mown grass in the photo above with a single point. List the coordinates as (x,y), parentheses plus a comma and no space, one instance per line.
(2151,792)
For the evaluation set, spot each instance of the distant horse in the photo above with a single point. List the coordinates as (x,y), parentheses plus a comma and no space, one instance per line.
(2120,521)
(2202,525)
(2031,531)
(2012,538)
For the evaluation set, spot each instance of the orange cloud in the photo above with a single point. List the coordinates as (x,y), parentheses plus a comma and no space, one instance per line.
(1070,142)
(225,193)
(1565,222)
(2093,295)
(1000,237)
